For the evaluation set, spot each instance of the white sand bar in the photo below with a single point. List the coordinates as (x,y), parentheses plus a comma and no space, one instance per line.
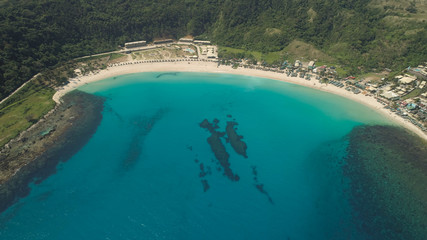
(212,67)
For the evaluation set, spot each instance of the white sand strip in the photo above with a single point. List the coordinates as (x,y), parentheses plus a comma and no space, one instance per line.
(211,67)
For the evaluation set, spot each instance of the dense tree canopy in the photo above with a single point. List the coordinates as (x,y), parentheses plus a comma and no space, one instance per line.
(35,35)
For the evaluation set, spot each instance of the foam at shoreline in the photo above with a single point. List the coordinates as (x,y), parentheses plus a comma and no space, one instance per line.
(211,67)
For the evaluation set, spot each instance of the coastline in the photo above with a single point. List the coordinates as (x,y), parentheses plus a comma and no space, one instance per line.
(34,155)
(212,67)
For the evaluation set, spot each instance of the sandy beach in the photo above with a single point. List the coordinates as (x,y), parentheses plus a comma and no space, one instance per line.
(212,67)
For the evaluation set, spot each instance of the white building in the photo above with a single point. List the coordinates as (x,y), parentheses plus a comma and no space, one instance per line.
(390,95)
(202,42)
(189,40)
(407,79)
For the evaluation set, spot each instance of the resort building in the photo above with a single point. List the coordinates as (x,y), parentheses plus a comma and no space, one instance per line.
(135,44)
(188,40)
(202,42)
(209,51)
(407,79)
(390,95)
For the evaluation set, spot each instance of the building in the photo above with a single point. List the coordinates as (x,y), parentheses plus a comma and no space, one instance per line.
(407,79)
(390,95)
(411,106)
(209,51)
(135,44)
(202,42)
(189,40)
(311,65)
(420,72)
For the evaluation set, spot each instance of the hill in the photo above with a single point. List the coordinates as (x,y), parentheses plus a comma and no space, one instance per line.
(359,34)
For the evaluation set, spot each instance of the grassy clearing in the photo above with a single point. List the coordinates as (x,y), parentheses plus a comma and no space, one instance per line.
(269,58)
(305,51)
(26,108)
(400,8)
(296,50)
(114,56)
(374,77)
(256,54)
(273,57)
(111,56)
(87,59)
(416,92)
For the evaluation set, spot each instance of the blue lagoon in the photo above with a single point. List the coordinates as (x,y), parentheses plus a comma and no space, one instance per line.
(202,156)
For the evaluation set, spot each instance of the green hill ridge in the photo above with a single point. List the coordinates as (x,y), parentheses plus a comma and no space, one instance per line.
(359,34)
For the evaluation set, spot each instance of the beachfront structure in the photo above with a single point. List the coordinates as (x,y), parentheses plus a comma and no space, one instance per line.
(189,40)
(390,95)
(209,51)
(407,79)
(202,42)
(163,41)
(420,72)
(135,44)
(311,65)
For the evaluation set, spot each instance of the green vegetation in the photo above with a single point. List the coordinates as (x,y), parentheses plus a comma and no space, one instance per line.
(21,112)
(34,100)
(269,57)
(357,35)
(110,56)
(416,92)
(301,50)
(114,56)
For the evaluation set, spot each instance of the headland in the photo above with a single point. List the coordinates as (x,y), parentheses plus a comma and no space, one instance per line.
(34,155)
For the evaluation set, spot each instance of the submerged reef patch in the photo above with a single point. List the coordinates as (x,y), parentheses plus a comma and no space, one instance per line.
(142,127)
(167,74)
(218,148)
(260,186)
(34,156)
(235,140)
(223,157)
(387,168)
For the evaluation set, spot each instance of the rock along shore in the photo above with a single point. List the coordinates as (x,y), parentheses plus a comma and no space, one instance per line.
(34,155)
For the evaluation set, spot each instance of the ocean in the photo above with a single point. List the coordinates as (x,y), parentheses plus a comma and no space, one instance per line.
(202,156)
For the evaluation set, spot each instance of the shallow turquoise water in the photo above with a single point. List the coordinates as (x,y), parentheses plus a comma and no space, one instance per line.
(138,177)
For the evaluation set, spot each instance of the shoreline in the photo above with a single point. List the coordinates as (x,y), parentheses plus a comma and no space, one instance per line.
(212,67)
(35,154)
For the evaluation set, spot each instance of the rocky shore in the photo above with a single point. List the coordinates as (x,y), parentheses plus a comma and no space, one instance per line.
(34,155)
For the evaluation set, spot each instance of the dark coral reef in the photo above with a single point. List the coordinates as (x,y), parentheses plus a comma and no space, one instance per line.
(387,168)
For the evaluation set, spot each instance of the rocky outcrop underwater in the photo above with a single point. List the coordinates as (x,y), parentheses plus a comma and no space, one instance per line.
(34,155)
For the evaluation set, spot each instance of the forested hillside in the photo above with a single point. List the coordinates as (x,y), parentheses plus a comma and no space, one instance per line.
(363,34)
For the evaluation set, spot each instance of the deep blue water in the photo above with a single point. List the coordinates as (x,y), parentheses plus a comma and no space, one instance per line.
(139,175)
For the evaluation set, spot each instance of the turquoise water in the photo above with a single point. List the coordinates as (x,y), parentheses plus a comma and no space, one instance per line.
(139,177)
